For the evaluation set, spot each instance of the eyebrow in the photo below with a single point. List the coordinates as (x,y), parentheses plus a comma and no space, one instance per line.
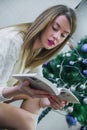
(60,27)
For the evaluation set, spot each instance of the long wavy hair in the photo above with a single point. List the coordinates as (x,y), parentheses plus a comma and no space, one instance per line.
(31,31)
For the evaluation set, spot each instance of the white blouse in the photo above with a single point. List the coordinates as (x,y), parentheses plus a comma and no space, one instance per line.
(10,45)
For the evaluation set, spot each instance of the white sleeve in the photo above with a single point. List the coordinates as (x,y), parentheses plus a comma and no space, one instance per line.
(38,70)
(9,51)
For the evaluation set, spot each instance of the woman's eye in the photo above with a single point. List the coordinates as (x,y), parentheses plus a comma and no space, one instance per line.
(63,35)
(54,28)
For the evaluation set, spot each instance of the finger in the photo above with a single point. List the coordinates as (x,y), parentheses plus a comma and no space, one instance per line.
(59,101)
(29,88)
(54,105)
(66,103)
(56,98)
(38,92)
(40,96)
(25,83)
(35,93)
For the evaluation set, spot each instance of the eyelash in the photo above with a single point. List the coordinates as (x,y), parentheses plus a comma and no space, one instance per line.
(56,29)
(62,35)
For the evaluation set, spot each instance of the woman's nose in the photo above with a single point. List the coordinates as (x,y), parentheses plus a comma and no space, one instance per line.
(57,35)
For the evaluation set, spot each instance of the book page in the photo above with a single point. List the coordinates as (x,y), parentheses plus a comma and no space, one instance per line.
(38,82)
(41,83)
(67,95)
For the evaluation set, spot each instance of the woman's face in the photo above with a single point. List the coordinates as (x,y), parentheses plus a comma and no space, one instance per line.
(55,33)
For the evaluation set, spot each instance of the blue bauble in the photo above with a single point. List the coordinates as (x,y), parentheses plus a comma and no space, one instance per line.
(45,64)
(71,120)
(71,62)
(84,61)
(84,48)
(85,72)
(83,128)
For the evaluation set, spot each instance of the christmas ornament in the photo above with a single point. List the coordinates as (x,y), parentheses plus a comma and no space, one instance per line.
(85,72)
(68,54)
(83,128)
(58,66)
(71,120)
(72,88)
(82,87)
(71,62)
(79,59)
(70,109)
(84,48)
(84,61)
(85,100)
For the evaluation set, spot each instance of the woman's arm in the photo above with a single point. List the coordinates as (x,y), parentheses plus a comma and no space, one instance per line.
(15,98)
(25,89)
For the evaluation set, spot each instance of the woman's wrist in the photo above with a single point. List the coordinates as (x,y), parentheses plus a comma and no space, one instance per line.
(9,92)
(2,97)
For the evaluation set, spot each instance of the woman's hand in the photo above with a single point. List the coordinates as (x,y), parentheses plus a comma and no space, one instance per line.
(52,101)
(24,88)
(56,103)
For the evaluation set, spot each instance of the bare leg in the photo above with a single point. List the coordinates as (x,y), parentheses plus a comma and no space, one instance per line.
(34,105)
(31,105)
(16,118)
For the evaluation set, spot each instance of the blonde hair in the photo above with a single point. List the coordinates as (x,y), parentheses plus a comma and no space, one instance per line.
(32,31)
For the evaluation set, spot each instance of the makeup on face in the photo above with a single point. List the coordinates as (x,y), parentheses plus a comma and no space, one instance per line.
(56,32)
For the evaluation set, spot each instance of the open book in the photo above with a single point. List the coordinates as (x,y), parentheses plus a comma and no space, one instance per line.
(39,82)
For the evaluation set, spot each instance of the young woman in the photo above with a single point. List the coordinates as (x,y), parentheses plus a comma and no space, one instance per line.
(23,49)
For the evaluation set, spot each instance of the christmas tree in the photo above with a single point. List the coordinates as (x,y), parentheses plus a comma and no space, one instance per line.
(69,70)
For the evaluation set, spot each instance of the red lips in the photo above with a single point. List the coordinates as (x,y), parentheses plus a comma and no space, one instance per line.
(50,42)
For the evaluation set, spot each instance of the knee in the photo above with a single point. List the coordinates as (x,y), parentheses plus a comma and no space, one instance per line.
(23,122)
(28,123)
(44,102)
